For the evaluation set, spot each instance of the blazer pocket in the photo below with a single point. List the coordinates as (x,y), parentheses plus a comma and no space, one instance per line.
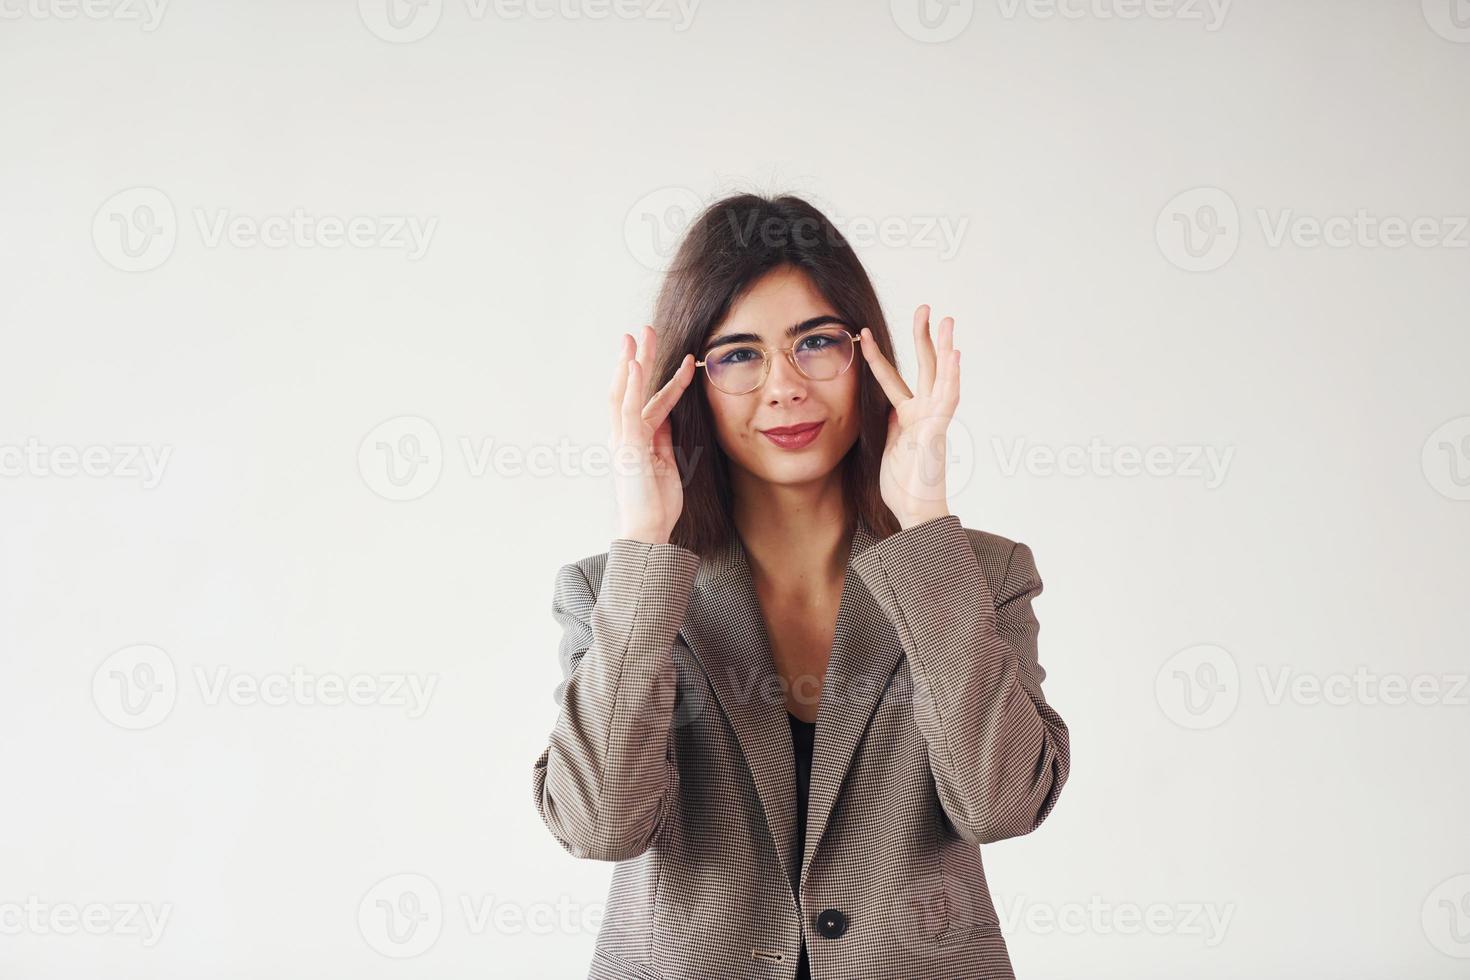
(607,965)
(964,934)
(921,903)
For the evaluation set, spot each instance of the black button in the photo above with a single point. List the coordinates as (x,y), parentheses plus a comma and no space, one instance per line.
(831,923)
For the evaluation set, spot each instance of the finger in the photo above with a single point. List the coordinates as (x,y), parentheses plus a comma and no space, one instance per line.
(946,372)
(647,348)
(662,403)
(947,388)
(888,378)
(924,349)
(619,387)
(632,407)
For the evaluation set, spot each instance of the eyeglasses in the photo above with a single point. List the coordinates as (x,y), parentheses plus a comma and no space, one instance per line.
(820,355)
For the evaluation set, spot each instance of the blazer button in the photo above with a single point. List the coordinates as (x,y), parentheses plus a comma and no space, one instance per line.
(831,923)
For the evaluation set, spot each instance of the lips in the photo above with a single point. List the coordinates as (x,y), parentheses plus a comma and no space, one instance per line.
(791,430)
(794,436)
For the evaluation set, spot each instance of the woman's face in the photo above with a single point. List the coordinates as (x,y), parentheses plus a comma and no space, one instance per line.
(779,300)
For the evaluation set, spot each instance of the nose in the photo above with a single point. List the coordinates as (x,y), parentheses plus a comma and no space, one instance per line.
(784,383)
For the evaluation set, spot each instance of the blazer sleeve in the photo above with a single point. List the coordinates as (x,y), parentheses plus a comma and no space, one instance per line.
(606,775)
(997,750)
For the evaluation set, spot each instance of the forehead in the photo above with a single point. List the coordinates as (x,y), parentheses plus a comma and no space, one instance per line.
(781,299)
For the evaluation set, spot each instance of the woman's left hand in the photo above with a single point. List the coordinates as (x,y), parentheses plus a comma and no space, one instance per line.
(911,477)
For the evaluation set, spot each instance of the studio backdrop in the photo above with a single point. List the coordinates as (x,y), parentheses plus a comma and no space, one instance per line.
(309,313)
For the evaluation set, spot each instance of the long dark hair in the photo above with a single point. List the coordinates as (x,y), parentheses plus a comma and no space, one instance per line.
(727,247)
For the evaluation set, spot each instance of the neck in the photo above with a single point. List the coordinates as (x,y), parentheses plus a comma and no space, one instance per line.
(794,534)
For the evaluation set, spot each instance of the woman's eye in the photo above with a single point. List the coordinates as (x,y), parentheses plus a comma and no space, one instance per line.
(735,356)
(817,342)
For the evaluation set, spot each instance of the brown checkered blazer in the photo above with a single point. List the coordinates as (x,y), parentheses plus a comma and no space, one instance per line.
(672,756)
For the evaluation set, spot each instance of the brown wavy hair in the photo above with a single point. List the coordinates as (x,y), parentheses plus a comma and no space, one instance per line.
(727,247)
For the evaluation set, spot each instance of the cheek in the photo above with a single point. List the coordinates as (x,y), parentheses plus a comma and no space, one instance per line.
(845,404)
(727,412)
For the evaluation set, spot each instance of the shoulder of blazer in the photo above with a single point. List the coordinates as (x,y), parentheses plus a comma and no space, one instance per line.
(592,567)
(993,551)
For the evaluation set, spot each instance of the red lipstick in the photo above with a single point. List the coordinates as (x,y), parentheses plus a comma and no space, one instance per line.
(794,436)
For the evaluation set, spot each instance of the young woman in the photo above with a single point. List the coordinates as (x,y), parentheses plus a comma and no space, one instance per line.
(799,694)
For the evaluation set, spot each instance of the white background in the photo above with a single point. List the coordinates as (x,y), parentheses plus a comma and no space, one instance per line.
(552,161)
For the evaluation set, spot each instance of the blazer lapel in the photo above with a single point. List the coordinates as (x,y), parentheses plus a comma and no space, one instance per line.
(865,652)
(726,630)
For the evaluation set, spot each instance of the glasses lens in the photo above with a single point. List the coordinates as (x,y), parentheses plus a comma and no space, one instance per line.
(735,368)
(820,355)
(823,354)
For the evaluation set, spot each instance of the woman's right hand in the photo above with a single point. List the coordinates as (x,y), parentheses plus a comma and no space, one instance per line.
(646,479)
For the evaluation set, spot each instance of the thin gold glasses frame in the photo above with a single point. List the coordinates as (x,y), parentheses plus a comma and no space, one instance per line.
(766,353)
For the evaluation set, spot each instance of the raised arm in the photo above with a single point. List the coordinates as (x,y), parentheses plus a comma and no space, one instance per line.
(998,751)
(604,779)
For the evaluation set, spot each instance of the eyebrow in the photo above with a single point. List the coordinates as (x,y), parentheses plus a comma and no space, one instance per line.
(791,331)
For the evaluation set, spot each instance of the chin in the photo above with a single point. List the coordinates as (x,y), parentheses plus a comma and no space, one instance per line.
(794,471)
